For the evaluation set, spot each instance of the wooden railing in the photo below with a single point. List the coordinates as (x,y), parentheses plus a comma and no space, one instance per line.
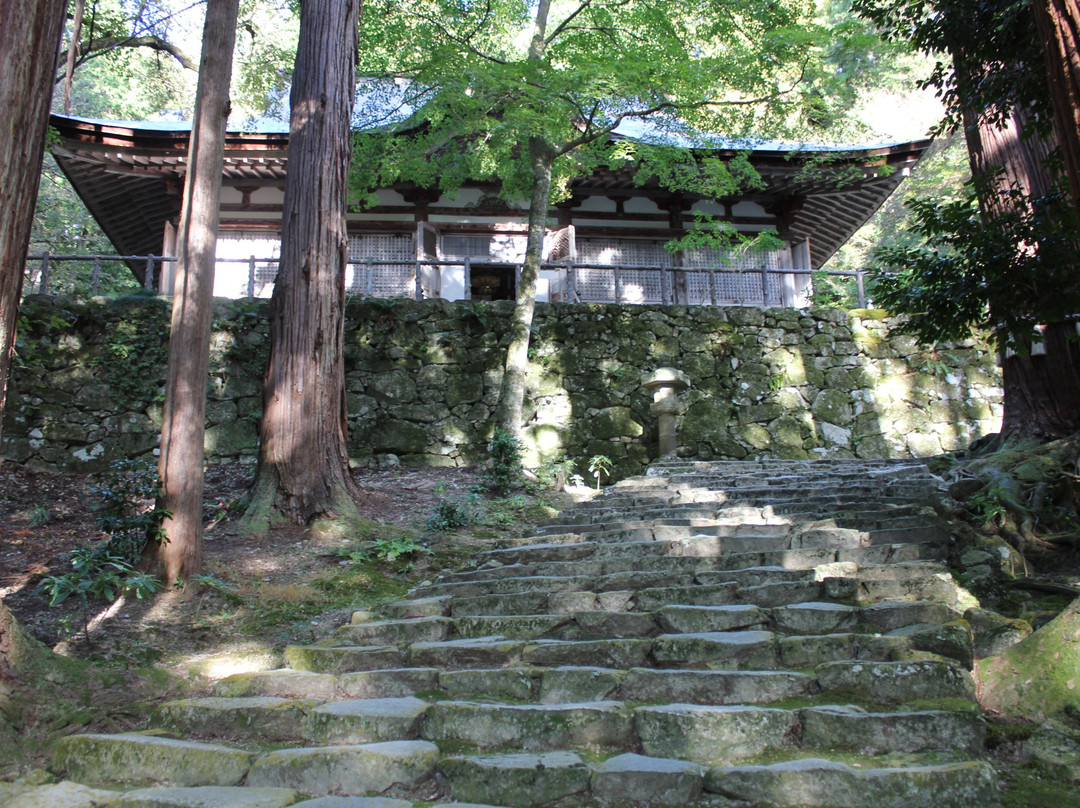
(669,284)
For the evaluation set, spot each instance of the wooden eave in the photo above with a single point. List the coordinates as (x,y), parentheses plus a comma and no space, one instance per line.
(130,180)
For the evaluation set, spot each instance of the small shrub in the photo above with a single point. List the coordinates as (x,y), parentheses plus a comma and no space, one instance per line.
(38,516)
(452,513)
(127,507)
(97,574)
(600,465)
(504,470)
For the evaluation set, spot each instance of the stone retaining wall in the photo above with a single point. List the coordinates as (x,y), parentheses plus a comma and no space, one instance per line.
(422,381)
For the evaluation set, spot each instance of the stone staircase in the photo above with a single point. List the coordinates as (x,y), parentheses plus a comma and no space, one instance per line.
(745,634)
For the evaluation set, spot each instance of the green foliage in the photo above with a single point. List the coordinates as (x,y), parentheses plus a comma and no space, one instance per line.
(600,465)
(709,232)
(387,549)
(482,86)
(452,513)
(97,572)
(39,516)
(556,472)
(988,52)
(127,507)
(503,471)
(136,349)
(1005,279)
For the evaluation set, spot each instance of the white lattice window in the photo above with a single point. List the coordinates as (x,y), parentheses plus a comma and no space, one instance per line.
(625,285)
(739,281)
(381,280)
(233,276)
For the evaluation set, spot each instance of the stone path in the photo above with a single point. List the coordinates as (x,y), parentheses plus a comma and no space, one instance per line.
(715,634)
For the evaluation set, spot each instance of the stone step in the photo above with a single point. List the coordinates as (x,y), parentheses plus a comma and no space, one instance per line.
(632,781)
(396,768)
(738,649)
(802,617)
(818,783)
(555,685)
(706,547)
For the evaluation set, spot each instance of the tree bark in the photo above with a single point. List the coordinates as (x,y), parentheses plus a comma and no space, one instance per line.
(509,411)
(1041,391)
(184,412)
(29,44)
(303,472)
(1058,24)
(512,390)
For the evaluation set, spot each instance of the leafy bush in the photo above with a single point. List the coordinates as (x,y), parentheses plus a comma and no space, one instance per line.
(127,507)
(97,573)
(504,470)
(452,513)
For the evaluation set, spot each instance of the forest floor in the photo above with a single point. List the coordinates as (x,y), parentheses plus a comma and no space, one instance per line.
(260,594)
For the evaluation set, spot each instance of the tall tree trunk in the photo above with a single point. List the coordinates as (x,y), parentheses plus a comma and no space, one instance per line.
(29,45)
(303,471)
(1058,24)
(508,414)
(1041,391)
(184,413)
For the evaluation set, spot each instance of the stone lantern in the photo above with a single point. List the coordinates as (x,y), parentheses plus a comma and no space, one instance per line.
(665,384)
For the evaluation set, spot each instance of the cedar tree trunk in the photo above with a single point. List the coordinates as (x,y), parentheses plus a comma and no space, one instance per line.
(303,471)
(1041,392)
(1058,24)
(29,44)
(184,413)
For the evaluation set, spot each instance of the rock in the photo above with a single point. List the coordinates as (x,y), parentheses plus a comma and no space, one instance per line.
(518,781)
(207,797)
(375,767)
(146,759)
(1055,749)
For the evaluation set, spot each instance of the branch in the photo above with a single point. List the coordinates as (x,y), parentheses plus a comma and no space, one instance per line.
(562,25)
(97,47)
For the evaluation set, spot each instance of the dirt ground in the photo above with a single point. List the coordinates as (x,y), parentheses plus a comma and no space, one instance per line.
(251,583)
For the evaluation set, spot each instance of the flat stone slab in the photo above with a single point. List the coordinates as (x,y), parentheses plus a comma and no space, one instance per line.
(264,717)
(646,782)
(700,619)
(517,627)
(395,632)
(599,653)
(147,759)
(718,649)
(508,684)
(356,802)
(343,659)
(419,607)
(208,797)
(391,683)
(598,725)
(814,618)
(898,681)
(517,781)
(845,727)
(815,783)
(713,687)
(578,683)
(481,652)
(375,768)
(365,721)
(55,795)
(707,734)
(286,683)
